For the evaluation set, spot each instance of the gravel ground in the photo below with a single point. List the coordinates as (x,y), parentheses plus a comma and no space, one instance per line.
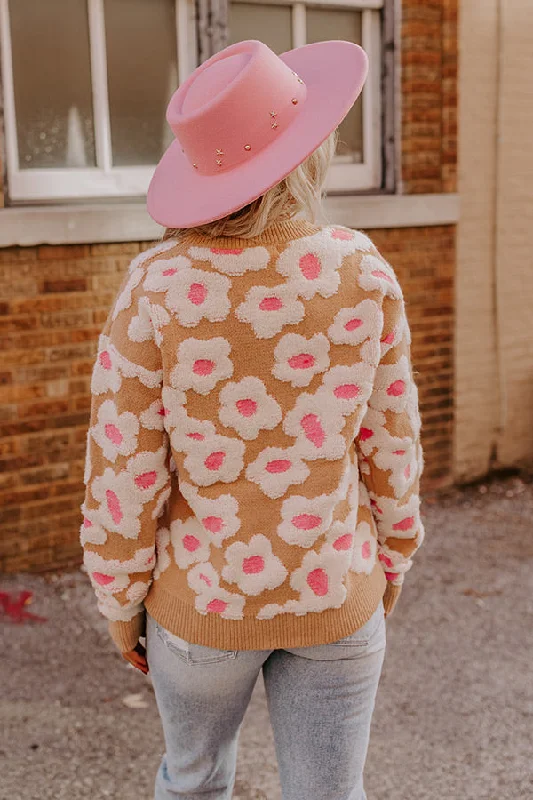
(455,710)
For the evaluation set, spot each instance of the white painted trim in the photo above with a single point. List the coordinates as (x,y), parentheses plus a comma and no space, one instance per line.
(98,49)
(10,138)
(299,25)
(129,222)
(360,4)
(393,211)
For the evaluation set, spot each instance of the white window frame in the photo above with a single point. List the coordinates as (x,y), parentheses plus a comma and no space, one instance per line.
(104,180)
(349,177)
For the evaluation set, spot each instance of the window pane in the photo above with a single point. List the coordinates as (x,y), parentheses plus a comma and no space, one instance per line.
(271,24)
(142,75)
(52,80)
(326,24)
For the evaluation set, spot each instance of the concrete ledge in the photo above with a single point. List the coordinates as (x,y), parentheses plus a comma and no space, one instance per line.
(129,222)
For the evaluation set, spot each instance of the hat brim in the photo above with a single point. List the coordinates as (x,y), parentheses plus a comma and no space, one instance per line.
(334,74)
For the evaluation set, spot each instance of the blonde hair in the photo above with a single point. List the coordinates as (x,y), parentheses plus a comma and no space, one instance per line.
(299,192)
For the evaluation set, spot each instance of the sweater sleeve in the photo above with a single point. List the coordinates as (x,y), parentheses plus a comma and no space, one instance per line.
(127,462)
(389,451)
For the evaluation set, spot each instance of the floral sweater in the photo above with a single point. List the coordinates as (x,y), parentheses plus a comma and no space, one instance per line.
(253,455)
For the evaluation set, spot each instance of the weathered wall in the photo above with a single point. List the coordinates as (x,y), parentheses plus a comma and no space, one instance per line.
(494,346)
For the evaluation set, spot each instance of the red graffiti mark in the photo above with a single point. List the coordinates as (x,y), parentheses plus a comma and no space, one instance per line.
(15,607)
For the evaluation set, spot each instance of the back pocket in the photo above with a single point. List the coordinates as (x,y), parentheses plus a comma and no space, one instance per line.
(193,653)
(363,636)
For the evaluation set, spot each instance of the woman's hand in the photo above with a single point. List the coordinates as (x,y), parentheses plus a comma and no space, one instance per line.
(137,658)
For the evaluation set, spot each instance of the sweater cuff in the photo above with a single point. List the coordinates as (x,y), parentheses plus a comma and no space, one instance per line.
(390,598)
(126,634)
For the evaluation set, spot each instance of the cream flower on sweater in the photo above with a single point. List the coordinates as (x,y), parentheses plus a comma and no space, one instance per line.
(198,295)
(305,519)
(277,468)
(269,308)
(298,360)
(354,325)
(115,433)
(189,541)
(253,566)
(248,408)
(219,517)
(316,423)
(202,363)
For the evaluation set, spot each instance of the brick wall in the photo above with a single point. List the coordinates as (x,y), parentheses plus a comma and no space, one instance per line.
(55,301)
(429,96)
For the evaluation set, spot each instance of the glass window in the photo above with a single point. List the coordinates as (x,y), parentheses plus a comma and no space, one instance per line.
(52,83)
(326,24)
(142,74)
(271,24)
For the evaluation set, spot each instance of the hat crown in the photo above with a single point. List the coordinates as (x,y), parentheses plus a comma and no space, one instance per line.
(233,106)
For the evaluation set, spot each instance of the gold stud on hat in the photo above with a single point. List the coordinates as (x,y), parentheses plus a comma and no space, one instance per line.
(247,146)
(294,101)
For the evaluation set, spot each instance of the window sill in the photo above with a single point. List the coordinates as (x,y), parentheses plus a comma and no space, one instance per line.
(129,222)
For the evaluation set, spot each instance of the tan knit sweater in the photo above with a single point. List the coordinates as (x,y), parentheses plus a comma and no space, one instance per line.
(253,456)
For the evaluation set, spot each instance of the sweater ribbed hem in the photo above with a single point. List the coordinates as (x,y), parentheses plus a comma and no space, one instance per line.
(278,233)
(284,630)
(390,597)
(126,634)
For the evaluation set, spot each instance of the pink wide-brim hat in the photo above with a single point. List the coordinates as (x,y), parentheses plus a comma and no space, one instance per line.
(244,120)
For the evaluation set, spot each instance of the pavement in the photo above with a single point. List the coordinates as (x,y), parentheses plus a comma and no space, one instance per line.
(454,716)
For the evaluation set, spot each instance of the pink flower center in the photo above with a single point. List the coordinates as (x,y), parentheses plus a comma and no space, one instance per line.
(205,579)
(306,522)
(253,565)
(389,338)
(312,427)
(213,524)
(146,480)
(197,294)
(215,460)
(190,543)
(113,505)
(396,389)
(270,304)
(216,606)
(343,542)
(317,580)
(310,266)
(247,407)
(169,271)
(375,505)
(398,452)
(405,524)
(198,437)
(87,523)
(219,251)
(163,411)
(102,579)
(366,550)
(278,465)
(391,576)
(347,391)
(407,472)
(113,434)
(378,273)
(302,361)
(365,433)
(385,560)
(344,236)
(353,324)
(203,366)
(105,359)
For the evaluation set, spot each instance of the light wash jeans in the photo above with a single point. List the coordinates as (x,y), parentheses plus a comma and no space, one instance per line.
(320,701)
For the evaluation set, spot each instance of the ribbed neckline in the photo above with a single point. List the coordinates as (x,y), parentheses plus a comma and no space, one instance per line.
(279,232)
